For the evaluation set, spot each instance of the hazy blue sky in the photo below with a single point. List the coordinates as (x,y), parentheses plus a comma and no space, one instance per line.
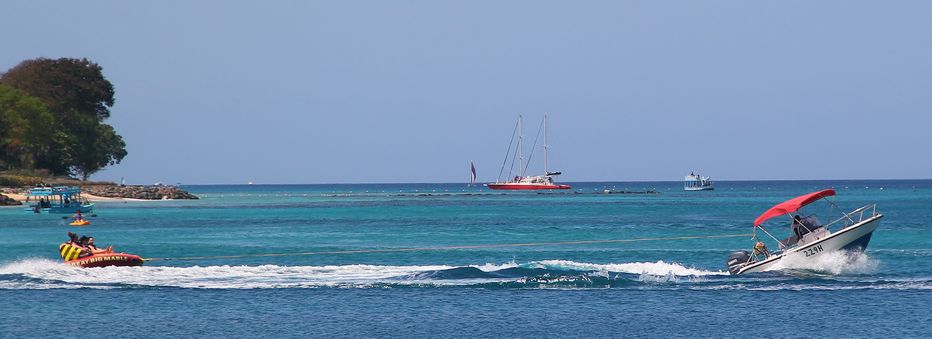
(410,91)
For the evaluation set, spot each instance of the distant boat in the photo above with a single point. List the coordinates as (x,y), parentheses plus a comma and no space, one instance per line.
(472,173)
(695,182)
(520,181)
(58,199)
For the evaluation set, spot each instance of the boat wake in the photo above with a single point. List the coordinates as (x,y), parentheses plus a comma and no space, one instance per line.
(47,274)
(832,263)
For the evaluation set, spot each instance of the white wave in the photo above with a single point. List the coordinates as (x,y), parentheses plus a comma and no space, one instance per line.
(654,278)
(490,267)
(835,263)
(265,276)
(45,274)
(658,268)
(52,274)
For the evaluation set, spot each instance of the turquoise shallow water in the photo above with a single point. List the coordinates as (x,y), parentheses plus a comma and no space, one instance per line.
(654,288)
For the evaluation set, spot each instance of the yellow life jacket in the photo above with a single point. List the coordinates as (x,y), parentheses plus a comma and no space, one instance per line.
(69,252)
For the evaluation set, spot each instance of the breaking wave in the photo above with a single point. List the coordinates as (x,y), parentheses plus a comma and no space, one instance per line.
(43,273)
(48,274)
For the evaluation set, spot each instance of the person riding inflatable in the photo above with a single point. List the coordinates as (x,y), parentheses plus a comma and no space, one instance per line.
(81,252)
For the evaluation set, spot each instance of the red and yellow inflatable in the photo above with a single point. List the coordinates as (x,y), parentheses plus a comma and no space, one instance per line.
(73,256)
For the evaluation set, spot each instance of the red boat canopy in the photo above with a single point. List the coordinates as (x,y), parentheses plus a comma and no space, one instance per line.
(792,205)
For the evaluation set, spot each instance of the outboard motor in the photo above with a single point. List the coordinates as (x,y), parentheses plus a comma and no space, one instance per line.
(737,260)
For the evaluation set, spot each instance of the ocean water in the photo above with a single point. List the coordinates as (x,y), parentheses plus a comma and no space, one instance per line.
(658,288)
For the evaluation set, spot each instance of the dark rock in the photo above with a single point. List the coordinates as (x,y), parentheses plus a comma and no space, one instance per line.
(139,192)
(7,201)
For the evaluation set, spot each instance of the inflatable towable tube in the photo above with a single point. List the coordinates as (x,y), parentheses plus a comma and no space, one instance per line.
(72,256)
(107,259)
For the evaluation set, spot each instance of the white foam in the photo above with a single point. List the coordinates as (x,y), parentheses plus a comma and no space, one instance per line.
(490,267)
(654,278)
(52,274)
(46,274)
(658,268)
(834,262)
(264,276)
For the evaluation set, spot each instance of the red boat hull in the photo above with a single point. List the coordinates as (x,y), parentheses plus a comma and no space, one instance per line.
(107,259)
(526,187)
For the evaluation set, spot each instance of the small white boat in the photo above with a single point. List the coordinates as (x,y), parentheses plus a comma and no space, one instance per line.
(695,182)
(809,239)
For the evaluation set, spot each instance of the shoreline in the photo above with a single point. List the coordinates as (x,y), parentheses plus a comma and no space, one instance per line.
(16,196)
(90,197)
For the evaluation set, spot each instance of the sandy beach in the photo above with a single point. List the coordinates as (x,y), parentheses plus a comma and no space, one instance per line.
(22,197)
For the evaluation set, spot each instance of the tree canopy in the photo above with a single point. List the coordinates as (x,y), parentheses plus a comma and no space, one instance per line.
(52,117)
(23,137)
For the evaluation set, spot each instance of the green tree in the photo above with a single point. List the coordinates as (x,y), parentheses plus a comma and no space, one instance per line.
(78,96)
(67,86)
(107,148)
(25,133)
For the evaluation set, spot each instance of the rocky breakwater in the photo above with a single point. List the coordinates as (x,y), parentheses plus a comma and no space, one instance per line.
(139,192)
(7,201)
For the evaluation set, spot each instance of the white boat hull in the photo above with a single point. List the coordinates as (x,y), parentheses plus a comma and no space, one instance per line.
(851,238)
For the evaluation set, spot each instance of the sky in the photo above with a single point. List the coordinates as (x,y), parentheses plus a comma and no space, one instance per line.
(229,92)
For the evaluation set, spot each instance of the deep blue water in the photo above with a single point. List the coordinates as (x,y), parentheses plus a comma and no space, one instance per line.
(650,288)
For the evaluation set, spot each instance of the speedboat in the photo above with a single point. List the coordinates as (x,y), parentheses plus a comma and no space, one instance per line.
(520,181)
(808,238)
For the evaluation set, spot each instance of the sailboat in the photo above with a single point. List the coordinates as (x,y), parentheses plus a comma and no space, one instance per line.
(521,181)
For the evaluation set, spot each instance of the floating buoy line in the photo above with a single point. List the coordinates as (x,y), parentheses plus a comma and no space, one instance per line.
(448,248)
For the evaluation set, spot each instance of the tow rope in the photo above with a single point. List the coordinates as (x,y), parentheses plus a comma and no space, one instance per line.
(447,248)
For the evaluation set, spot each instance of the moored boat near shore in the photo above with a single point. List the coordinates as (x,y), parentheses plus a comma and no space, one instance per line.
(58,199)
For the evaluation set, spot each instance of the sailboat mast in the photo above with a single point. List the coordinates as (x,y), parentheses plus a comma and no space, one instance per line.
(546,147)
(520,146)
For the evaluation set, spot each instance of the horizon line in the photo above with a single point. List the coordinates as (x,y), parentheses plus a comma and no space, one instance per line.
(570,182)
